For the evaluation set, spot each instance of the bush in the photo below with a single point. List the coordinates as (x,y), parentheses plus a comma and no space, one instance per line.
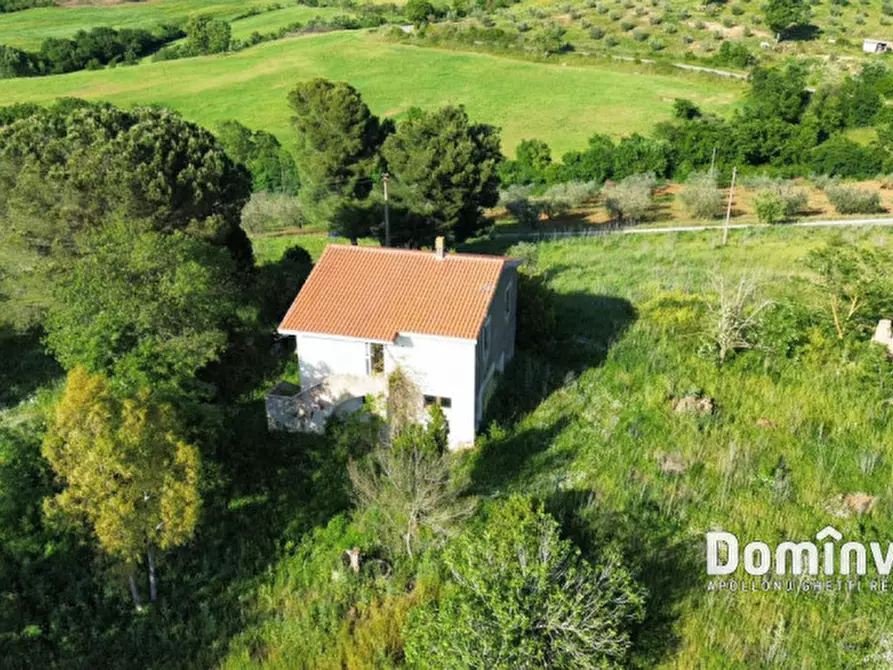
(268,212)
(521,595)
(567,196)
(852,200)
(526,213)
(418,11)
(769,207)
(630,199)
(513,193)
(701,197)
(778,200)
(842,157)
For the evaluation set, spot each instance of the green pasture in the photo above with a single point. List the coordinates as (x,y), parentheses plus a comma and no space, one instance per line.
(267,22)
(563,105)
(27,29)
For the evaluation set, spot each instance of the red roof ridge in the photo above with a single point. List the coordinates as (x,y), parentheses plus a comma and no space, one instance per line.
(421,252)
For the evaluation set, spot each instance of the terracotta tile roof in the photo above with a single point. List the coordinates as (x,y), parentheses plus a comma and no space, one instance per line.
(373,293)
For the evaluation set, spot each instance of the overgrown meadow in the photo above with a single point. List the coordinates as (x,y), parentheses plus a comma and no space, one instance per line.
(589,427)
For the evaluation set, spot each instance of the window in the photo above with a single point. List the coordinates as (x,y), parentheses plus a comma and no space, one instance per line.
(508,301)
(445,403)
(374,358)
(485,339)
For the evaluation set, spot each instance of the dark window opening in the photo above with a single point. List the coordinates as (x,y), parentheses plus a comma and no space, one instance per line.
(375,364)
(445,403)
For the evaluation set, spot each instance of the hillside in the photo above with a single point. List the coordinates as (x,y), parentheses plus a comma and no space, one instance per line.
(795,425)
(531,488)
(564,105)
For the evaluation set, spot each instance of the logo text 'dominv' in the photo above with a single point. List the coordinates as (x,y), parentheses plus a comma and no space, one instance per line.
(828,556)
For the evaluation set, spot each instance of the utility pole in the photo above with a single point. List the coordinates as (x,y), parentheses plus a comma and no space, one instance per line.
(713,163)
(725,228)
(387,219)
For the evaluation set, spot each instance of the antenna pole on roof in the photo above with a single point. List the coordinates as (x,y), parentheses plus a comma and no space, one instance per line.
(387,220)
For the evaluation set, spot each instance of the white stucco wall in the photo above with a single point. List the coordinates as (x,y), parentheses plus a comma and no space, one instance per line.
(320,356)
(443,367)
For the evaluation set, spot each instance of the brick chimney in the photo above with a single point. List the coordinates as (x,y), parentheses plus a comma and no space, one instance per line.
(438,248)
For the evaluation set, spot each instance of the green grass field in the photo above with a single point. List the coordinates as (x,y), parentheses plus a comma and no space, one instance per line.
(27,29)
(560,104)
(268,22)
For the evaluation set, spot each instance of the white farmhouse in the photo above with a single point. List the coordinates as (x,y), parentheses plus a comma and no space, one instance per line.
(446,320)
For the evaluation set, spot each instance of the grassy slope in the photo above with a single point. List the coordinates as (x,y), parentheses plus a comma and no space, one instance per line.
(268,22)
(607,432)
(562,105)
(27,29)
(600,437)
(680,27)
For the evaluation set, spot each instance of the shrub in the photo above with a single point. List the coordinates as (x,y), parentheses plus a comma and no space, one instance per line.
(597,32)
(513,193)
(701,196)
(769,207)
(522,594)
(561,198)
(852,200)
(856,282)
(526,213)
(842,157)
(418,11)
(685,109)
(734,317)
(630,199)
(778,200)
(267,212)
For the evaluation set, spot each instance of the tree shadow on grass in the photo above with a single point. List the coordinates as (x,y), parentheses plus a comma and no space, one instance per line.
(587,327)
(654,547)
(26,366)
(501,462)
(805,33)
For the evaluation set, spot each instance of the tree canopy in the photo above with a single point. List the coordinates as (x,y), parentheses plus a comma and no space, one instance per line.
(126,469)
(338,139)
(148,309)
(444,173)
(782,15)
(65,171)
(520,596)
(272,168)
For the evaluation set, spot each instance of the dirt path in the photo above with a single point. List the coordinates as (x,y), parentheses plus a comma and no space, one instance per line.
(693,229)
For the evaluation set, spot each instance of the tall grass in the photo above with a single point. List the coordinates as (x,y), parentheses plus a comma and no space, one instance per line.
(797,422)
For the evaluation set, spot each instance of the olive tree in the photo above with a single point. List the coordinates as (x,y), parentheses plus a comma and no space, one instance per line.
(521,596)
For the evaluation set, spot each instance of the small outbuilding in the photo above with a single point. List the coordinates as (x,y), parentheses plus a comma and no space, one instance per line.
(876,46)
